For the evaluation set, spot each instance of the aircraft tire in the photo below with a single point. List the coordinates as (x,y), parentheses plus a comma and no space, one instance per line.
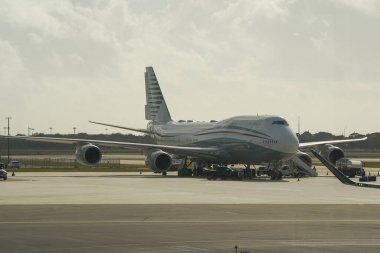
(279,176)
(273,175)
(276,175)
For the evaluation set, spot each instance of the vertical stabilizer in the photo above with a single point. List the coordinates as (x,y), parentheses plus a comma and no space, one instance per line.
(155,108)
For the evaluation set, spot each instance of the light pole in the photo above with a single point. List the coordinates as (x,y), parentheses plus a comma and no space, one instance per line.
(5,133)
(8,118)
(30,129)
(74,129)
(50,130)
(0,151)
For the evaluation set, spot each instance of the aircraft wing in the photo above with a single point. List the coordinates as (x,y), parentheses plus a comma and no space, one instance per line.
(342,177)
(123,127)
(310,144)
(204,152)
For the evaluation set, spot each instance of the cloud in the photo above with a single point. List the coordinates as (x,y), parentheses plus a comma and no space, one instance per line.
(85,60)
(368,7)
(11,66)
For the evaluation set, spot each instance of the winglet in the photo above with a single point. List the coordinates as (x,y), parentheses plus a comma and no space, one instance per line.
(342,178)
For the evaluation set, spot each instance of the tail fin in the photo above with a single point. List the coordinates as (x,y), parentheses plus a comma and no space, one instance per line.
(155,108)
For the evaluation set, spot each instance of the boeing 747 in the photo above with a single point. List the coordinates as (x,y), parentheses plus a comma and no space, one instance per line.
(237,140)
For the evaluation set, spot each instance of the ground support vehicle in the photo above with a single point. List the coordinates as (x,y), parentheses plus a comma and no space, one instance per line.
(367,179)
(14,165)
(350,168)
(273,174)
(3,172)
(222,172)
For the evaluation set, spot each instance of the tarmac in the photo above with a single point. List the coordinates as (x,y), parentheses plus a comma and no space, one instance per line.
(129,212)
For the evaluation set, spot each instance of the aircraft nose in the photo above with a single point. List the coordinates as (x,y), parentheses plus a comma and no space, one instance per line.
(292,143)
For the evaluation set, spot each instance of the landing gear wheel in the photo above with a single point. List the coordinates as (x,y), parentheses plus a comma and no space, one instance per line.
(273,175)
(276,175)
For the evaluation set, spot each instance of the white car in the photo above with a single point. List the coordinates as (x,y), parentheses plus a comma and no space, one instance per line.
(3,174)
(14,164)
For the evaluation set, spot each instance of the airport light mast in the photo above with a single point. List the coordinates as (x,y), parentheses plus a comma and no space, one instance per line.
(8,119)
(0,151)
(30,129)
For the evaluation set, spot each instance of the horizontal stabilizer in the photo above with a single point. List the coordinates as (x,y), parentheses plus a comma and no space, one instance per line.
(123,127)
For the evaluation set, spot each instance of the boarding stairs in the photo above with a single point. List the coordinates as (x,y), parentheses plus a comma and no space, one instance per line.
(304,167)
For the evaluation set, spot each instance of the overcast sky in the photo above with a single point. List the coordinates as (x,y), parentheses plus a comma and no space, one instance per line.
(66,62)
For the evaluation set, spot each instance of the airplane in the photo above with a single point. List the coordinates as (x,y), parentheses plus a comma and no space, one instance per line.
(237,140)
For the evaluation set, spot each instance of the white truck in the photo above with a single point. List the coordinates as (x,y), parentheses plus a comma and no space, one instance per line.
(350,168)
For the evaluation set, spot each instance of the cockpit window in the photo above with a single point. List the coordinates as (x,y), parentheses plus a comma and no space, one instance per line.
(280,122)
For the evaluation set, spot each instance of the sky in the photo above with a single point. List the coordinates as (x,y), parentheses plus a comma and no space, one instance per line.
(66,62)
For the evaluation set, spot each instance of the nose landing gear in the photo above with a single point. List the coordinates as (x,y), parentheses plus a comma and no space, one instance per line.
(276,175)
(275,172)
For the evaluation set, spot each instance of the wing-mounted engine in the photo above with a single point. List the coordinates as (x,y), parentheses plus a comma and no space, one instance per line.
(158,161)
(332,153)
(88,154)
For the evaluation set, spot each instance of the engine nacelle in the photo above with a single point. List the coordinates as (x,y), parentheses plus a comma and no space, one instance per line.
(304,157)
(88,154)
(159,161)
(332,153)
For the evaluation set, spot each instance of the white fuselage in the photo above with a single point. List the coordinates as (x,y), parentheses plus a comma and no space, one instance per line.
(242,139)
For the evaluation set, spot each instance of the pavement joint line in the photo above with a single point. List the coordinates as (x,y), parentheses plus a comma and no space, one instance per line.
(252,244)
(190,221)
(330,240)
(59,249)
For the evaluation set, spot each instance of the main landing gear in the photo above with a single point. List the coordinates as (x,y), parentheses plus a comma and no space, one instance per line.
(275,173)
(185,170)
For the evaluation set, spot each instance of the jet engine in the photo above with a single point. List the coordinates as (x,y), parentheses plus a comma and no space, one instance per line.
(158,161)
(88,154)
(332,153)
(304,157)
